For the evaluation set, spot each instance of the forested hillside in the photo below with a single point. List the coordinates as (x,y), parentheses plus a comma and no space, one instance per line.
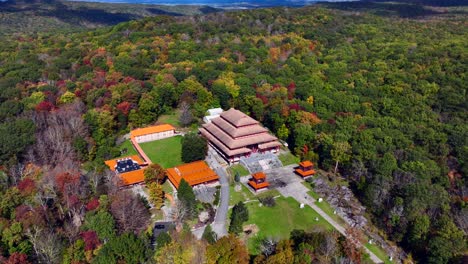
(61,15)
(380,100)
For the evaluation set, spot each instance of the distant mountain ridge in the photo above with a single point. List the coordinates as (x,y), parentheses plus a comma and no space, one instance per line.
(50,15)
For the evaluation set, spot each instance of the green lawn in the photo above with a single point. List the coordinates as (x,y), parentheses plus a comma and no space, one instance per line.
(239,169)
(288,159)
(243,195)
(171,118)
(166,152)
(379,253)
(280,220)
(127,149)
(167,187)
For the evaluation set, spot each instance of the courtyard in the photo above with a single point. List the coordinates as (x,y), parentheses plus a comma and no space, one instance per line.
(165,152)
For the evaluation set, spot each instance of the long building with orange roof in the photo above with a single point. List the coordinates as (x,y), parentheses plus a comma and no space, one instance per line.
(194,173)
(152,133)
(129,169)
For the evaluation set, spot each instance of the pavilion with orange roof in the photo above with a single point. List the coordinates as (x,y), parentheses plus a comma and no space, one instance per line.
(258,181)
(194,173)
(305,169)
(129,169)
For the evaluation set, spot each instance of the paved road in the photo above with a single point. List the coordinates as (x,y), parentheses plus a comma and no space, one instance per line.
(220,222)
(296,190)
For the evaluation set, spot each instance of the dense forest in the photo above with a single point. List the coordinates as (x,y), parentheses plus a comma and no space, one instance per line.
(381,101)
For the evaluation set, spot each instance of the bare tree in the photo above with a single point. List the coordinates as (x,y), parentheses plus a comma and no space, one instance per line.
(186,116)
(328,247)
(268,246)
(129,211)
(46,245)
(55,133)
(179,213)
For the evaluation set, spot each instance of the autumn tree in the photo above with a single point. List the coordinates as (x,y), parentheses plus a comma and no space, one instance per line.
(156,194)
(228,249)
(154,173)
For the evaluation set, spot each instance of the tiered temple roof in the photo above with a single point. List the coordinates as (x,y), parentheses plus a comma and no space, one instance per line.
(235,133)
(258,181)
(305,169)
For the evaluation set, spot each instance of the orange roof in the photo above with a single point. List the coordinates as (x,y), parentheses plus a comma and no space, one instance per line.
(194,173)
(257,186)
(151,130)
(259,175)
(305,173)
(306,164)
(132,177)
(113,162)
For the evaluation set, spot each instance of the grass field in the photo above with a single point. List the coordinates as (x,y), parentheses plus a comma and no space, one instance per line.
(127,149)
(280,220)
(166,152)
(243,195)
(239,169)
(171,118)
(378,252)
(288,159)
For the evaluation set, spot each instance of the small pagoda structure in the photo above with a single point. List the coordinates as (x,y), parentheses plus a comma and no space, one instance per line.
(258,181)
(305,169)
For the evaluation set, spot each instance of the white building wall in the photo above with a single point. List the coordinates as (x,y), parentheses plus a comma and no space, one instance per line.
(154,136)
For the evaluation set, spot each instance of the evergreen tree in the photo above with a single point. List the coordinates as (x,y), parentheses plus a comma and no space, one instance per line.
(163,239)
(209,235)
(186,197)
(239,215)
(194,147)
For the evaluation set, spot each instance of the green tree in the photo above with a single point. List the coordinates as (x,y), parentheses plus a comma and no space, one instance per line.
(162,240)
(102,222)
(15,136)
(67,97)
(126,248)
(15,240)
(239,215)
(187,199)
(209,235)
(194,147)
(340,153)
(283,132)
